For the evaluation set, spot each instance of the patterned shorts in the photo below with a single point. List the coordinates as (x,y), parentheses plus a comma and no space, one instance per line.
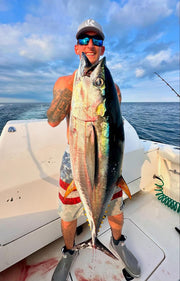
(71,207)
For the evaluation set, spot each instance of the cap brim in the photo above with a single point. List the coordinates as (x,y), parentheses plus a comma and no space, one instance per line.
(89,28)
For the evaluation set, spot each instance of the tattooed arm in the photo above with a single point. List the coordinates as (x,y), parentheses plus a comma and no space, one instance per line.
(60,105)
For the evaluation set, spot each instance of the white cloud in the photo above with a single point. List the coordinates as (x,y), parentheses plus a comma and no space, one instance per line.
(178,9)
(139,72)
(116,66)
(20,42)
(139,13)
(164,61)
(157,59)
(36,48)
(10,37)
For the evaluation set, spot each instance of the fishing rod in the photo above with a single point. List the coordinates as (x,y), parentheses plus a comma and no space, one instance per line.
(167,84)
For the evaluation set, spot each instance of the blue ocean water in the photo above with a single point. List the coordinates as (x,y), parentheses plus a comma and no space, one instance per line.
(153,121)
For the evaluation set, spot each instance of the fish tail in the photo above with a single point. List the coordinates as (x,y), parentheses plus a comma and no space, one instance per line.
(98,245)
(123,185)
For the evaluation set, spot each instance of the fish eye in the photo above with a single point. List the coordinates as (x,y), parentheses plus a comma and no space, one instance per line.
(99,82)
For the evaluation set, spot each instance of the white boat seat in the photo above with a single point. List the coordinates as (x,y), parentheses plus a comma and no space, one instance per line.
(170,153)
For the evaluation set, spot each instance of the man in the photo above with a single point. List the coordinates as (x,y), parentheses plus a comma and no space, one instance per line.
(90,39)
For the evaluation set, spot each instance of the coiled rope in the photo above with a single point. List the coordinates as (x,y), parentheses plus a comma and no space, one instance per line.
(166,200)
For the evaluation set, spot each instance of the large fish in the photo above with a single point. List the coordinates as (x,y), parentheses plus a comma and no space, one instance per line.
(96,140)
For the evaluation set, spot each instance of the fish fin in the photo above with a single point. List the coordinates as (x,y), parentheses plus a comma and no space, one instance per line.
(70,189)
(98,245)
(123,185)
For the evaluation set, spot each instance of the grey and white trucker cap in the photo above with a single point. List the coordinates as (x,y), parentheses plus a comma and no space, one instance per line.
(90,25)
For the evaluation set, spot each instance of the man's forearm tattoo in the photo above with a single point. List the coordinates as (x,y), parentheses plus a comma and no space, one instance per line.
(60,105)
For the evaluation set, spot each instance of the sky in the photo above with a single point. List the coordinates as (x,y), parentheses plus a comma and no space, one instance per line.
(38,38)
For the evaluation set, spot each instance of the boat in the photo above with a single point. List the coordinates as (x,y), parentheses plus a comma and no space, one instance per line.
(30,232)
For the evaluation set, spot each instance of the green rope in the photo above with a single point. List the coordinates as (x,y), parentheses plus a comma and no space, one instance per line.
(166,200)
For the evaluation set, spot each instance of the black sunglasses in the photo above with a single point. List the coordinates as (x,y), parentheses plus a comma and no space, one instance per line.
(84,40)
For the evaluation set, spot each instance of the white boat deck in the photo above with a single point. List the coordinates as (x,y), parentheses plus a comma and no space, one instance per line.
(30,247)
(151,236)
